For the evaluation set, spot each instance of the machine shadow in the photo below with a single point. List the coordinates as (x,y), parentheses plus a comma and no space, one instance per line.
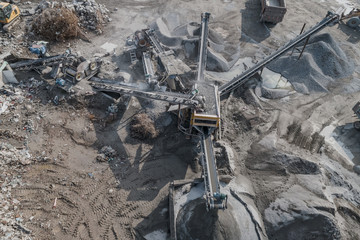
(143,167)
(352,33)
(251,27)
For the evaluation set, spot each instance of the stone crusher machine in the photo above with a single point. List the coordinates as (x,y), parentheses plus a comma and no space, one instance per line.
(199,111)
(9,15)
(201,107)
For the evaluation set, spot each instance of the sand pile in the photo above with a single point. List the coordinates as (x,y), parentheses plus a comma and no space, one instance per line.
(323,62)
(175,32)
(143,127)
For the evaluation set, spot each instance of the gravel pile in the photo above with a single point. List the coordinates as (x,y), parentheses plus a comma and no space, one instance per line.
(323,62)
(91,14)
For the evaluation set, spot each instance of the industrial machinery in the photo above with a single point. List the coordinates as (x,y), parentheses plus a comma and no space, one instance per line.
(9,15)
(272,11)
(199,110)
(352,17)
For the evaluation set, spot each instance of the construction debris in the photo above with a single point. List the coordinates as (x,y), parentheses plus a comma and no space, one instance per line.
(106,153)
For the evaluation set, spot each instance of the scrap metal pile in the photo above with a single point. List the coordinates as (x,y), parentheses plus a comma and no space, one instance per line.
(67,69)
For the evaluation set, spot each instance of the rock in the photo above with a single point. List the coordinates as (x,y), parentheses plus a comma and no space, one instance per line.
(356,169)
(225,178)
(47,70)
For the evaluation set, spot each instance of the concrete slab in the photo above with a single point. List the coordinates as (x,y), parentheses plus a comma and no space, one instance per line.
(1,80)
(9,77)
(109,47)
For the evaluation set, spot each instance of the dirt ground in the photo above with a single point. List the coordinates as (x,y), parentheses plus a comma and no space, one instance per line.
(295,154)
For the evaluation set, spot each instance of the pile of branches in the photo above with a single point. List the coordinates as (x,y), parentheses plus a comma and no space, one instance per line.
(91,15)
(143,127)
(57,24)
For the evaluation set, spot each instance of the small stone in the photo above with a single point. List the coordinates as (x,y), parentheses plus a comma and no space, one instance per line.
(111,190)
(357,169)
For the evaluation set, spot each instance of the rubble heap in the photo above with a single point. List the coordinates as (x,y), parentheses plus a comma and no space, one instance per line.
(143,127)
(11,155)
(90,14)
(106,153)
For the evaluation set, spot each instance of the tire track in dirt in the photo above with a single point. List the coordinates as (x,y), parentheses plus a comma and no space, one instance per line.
(86,208)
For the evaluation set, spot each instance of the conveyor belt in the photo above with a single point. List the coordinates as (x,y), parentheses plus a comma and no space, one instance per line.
(203,45)
(148,67)
(240,79)
(210,168)
(34,63)
(154,41)
(214,198)
(174,98)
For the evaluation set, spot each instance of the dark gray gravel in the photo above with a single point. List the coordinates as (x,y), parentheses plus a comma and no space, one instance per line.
(323,63)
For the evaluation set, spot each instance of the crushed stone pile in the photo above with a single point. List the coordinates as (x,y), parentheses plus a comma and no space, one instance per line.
(143,127)
(91,15)
(323,62)
(223,224)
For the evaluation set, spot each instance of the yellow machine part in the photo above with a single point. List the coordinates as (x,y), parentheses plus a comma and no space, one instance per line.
(205,120)
(8,12)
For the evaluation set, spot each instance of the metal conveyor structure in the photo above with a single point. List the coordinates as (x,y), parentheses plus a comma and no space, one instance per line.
(206,122)
(35,63)
(240,79)
(214,199)
(174,98)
